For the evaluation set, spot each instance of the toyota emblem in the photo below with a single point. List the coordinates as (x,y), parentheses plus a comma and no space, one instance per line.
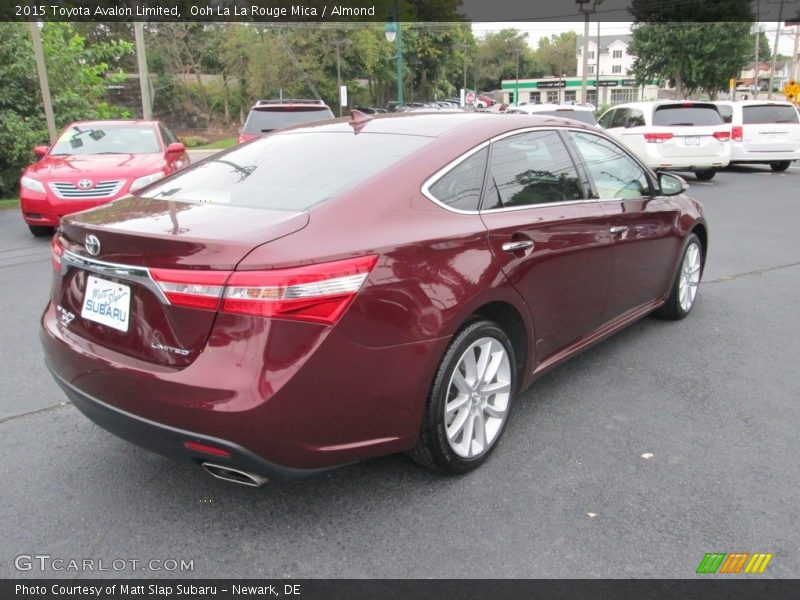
(92,245)
(85,184)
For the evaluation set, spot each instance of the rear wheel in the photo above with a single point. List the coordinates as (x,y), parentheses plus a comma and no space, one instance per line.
(469,402)
(684,291)
(705,174)
(780,165)
(41,230)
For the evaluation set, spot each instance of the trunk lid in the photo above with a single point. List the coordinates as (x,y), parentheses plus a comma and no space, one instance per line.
(111,295)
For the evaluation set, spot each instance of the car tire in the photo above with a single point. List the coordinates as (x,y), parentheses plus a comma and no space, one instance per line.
(780,165)
(683,294)
(41,230)
(470,400)
(705,174)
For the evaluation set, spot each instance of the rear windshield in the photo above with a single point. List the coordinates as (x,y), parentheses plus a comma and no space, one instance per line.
(692,115)
(264,120)
(292,171)
(584,116)
(775,113)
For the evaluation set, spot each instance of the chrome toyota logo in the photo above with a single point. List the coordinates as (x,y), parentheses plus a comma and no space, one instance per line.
(92,245)
(85,184)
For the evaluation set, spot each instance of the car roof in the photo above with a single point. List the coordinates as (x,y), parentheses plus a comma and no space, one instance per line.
(646,104)
(477,125)
(550,107)
(753,102)
(115,122)
(288,103)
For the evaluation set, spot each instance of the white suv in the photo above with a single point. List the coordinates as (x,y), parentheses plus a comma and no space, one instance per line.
(576,112)
(672,135)
(763,131)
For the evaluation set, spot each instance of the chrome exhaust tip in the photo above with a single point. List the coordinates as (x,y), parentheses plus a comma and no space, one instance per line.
(234,475)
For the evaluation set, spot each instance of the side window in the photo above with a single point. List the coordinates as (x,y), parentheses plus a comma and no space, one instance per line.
(529,169)
(615,174)
(619,117)
(460,188)
(606,119)
(635,119)
(167,135)
(726,112)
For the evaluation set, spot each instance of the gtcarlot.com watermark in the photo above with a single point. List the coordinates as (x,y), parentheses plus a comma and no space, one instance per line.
(45,563)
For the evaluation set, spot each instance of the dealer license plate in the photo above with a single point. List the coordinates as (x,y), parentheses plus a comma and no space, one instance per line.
(107,302)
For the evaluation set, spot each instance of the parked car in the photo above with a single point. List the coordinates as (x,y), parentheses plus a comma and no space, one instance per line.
(672,135)
(95,162)
(565,111)
(269,115)
(354,289)
(763,131)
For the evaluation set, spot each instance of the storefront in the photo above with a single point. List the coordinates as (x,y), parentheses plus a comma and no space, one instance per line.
(568,89)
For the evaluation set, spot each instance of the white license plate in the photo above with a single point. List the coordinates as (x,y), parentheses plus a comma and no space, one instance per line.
(107,302)
(692,140)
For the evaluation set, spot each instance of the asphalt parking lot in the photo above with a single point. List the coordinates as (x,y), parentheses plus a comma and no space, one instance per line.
(713,399)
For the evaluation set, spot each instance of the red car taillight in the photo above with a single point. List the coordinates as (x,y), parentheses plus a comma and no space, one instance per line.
(319,293)
(245,137)
(737,133)
(58,252)
(722,136)
(657,138)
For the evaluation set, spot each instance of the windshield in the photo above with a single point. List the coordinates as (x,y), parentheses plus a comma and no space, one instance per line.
(689,115)
(769,113)
(107,138)
(263,120)
(292,171)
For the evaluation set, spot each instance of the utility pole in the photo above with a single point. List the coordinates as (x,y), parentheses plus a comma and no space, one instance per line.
(43,83)
(584,8)
(795,58)
(597,70)
(775,51)
(516,52)
(339,44)
(144,75)
(465,45)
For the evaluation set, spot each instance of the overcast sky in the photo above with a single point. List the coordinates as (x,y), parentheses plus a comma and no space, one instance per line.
(536,30)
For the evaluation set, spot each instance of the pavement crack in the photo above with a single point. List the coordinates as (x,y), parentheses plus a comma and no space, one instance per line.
(756,272)
(34,412)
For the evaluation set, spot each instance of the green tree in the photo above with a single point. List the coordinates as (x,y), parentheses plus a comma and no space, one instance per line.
(496,59)
(702,54)
(557,54)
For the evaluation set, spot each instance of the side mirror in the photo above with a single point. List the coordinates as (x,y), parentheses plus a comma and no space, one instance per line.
(40,151)
(671,185)
(176,148)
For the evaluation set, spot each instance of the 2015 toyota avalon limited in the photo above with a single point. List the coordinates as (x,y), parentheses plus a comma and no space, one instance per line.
(353,289)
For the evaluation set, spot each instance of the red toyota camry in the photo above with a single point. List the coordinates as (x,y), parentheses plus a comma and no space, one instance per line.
(95,162)
(352,289)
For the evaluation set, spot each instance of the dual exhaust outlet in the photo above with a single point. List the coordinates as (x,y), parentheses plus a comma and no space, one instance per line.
(234,475)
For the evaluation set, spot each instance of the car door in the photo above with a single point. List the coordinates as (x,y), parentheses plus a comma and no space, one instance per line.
(551,239)
(642,224)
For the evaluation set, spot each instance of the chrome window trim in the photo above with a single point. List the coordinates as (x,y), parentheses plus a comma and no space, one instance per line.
(140,275)
(434,179)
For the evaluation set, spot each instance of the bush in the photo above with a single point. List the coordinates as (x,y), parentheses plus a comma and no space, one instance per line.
(18,136)
(190,141)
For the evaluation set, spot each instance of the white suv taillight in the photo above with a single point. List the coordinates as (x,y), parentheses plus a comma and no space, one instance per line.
(318,293)
(657,138)
(737,133)
(722,136)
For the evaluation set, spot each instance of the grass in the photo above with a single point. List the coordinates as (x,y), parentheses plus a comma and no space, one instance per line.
(218,145)
(9,203)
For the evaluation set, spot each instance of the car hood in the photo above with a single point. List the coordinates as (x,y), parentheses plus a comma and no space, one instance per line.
(98,165)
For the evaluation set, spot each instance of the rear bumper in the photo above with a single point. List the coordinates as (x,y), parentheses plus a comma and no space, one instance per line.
(169,441)
(741,155)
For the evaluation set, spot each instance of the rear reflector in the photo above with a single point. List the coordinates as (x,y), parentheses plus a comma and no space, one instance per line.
(657,138)
(722,136)
(318,293)
(206,449)
(737,133)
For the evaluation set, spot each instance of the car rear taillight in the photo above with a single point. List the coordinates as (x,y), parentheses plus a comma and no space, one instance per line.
(58,252)
(722,136)
(245,137)
(657,138)
(191,289)
(319,293)
(737,133)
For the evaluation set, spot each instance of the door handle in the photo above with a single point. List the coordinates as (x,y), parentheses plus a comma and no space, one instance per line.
(618,229)
(517,246)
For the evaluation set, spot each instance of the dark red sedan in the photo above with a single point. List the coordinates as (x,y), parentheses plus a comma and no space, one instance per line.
(353,289)
(92,163)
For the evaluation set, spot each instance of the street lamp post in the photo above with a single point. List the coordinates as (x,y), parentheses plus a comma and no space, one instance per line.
(392,31)
(583,6)
(339,44)
(516,52)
